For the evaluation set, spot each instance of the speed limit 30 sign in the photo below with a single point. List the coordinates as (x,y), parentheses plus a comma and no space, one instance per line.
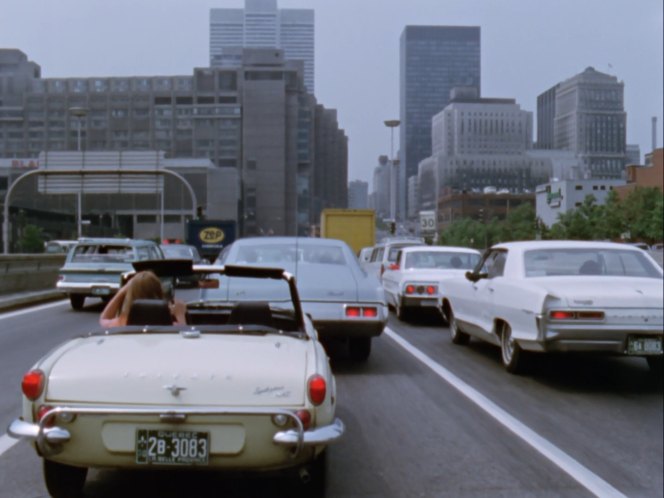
(428,221)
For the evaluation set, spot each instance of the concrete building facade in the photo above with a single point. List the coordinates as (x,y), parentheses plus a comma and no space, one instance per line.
(433,60)
(557,197)
(261,24)
(256,118)
(358,194)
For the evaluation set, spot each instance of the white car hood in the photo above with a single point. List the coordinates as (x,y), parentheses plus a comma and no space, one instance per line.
(605,292)
(215,369)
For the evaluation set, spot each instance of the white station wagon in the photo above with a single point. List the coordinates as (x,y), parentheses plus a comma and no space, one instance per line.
(560,296)
(244,386)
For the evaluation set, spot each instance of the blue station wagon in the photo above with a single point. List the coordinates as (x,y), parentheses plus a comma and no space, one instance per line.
(94,267)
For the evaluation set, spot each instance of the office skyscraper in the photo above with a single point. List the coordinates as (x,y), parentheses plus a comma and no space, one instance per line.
(433,60)
(262,25)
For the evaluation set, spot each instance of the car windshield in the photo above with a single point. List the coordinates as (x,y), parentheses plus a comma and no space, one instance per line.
(280,254)
(177,252)
(589,262)
(441,260)
(102,254)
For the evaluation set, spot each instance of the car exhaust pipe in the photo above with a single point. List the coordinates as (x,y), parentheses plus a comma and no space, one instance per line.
(305,476)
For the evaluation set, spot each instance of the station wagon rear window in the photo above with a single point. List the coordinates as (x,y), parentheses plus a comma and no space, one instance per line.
(103,254)
(589,262)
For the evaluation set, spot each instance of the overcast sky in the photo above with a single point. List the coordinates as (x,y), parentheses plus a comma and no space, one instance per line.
(527,47)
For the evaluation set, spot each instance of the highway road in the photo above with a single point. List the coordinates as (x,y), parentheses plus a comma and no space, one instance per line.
(424,418)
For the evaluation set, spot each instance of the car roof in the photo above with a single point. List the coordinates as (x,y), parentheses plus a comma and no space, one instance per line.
(568,244)
(440,249)
(256,241)
(114,241)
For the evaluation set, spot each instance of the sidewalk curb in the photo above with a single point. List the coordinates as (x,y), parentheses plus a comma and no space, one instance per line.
(22,300)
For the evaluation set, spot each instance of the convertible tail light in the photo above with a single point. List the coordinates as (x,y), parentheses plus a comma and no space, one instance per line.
(317,389)
(305,418)
(43,410)
(32,384)
(576,315)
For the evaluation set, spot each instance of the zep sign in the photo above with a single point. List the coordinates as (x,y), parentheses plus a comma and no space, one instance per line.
(428,222)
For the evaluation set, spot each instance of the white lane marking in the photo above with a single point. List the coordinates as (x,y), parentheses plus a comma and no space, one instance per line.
(578,472)
(13,314)
(6,442)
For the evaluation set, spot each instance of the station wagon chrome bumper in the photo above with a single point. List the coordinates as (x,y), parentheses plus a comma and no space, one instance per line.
(50,440)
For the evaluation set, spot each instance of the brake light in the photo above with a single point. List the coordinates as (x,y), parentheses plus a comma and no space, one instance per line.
(353,311)
(305,418)
(431,289)
(561,315)
(43,410)
(317,389)
(32,384)
(590,315)
(370,312)
(394,266)
(576,315)
(410,289)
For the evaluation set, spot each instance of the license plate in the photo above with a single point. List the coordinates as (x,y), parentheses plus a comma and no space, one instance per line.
(171,447)
(101,291)
(428,302)
(644,345)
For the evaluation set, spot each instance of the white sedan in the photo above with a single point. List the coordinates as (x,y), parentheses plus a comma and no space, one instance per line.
(560,296)
(244,386)
(416,280)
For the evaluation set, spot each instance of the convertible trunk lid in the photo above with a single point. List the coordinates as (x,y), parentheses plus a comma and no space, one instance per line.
(214,369)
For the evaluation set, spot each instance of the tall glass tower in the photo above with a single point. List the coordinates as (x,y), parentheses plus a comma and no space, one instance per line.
(261,24)
(433,60)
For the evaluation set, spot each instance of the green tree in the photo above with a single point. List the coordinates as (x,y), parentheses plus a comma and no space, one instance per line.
(642,209)
(32,240)
(578,224)
(519,224)
(611,220)
(465,232)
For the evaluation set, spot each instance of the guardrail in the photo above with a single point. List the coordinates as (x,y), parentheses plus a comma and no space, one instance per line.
(29,272)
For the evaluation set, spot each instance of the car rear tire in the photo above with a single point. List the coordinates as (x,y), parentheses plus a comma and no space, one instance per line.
(401,312)
(458,337)
(512,355)
(656,364)
(359,348)
(64,481)
(77,301)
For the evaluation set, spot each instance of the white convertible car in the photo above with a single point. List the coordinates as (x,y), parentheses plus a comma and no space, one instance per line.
(560,296)
(416,280)
(244,386)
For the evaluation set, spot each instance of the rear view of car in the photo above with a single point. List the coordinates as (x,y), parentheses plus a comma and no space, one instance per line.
(94,267)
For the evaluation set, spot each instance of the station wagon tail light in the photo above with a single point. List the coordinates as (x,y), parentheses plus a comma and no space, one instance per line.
(317,389)
(576,315)
(394,266)
(32,384)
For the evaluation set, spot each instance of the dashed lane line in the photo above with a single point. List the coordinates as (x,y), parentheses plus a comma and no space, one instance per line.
(566,463)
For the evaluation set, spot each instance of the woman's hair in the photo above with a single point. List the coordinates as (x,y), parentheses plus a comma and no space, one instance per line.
(144,285)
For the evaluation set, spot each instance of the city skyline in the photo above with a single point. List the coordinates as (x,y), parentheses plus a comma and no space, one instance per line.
(357,70)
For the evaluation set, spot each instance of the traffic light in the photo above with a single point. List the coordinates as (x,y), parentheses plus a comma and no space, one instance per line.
(393,227)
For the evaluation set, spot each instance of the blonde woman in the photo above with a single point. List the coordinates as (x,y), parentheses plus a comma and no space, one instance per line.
(144,285)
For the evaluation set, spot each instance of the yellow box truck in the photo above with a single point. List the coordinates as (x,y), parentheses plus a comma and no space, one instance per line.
(356,227)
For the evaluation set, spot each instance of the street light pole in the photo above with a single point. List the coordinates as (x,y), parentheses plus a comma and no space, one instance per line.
(79,113)
(392,124)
